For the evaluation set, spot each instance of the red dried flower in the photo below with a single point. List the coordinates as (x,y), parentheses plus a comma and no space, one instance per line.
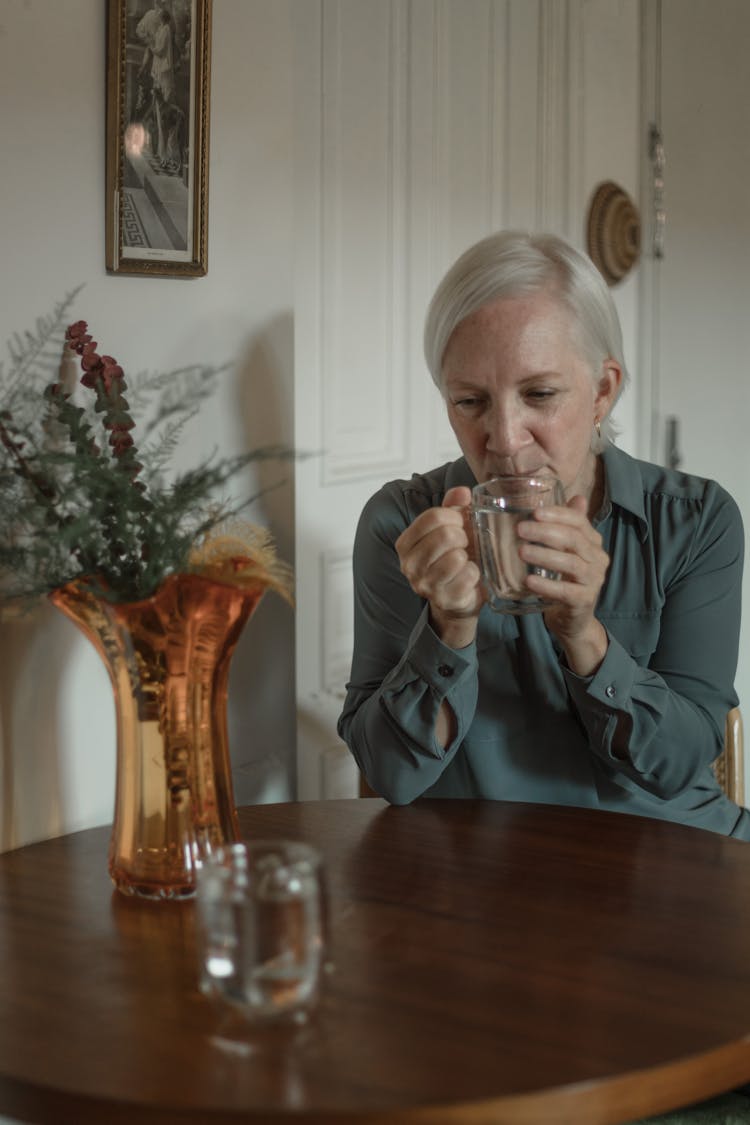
(110,372)
(103,374)
(89,357)
(77,335)
(120,440)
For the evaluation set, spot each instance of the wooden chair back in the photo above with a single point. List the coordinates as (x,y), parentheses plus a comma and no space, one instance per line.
(365,790)
(729,767)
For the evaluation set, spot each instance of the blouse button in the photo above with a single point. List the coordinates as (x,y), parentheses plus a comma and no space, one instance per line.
(610,691)
(445,670)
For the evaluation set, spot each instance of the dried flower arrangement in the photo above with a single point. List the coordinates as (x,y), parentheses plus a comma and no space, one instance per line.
(81,499)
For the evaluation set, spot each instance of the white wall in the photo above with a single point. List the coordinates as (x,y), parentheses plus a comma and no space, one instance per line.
(56,715)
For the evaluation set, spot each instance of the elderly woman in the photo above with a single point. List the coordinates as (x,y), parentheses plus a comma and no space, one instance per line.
(616,696)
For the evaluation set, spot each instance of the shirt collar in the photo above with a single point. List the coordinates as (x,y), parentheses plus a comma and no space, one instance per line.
(623,486)
(459,473)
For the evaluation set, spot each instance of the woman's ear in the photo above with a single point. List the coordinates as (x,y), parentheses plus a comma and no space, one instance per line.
(607,387)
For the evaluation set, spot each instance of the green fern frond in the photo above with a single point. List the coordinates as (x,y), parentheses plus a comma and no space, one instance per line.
(84,491)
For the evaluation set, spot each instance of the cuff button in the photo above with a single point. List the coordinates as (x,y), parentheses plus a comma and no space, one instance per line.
(445,670)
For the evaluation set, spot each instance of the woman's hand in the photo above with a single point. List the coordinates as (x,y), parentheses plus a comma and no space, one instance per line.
(436,556)
(563,540)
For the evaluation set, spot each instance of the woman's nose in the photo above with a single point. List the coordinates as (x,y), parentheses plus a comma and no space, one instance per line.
(507,432)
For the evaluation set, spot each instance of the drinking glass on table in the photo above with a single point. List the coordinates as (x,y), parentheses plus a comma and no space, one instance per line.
(262,927)
(497,507)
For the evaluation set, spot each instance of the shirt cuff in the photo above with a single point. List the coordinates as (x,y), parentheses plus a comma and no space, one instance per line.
(610,686)
(441,667)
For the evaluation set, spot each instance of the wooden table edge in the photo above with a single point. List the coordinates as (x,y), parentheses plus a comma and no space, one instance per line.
(606,1101)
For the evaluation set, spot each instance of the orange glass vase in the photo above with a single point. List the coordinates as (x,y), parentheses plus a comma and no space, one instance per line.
(168,661)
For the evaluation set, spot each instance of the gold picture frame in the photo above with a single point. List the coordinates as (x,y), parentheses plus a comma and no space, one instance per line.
(158,97)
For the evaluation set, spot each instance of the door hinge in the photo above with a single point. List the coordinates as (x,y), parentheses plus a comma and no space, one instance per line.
(658,161)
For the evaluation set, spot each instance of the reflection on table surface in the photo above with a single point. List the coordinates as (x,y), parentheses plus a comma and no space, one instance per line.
(493,962)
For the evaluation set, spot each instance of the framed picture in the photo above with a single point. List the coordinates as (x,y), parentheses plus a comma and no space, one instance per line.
(158,77)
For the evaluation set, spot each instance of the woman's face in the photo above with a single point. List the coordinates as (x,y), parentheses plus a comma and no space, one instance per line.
(520,396)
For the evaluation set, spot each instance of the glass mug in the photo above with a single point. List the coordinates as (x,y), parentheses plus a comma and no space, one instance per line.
(262,928)
(497,507)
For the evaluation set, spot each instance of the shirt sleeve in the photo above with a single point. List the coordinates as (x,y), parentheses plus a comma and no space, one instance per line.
(401,670)
(662,724)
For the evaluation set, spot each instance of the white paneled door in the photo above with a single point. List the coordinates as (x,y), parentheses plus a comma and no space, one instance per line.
(422,125)
(702,286)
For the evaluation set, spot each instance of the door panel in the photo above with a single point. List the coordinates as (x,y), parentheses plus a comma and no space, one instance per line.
(703,289)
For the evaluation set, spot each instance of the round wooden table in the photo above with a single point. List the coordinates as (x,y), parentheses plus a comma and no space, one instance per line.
(494,962)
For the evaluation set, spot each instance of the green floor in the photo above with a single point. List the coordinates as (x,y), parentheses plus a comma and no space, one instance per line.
(729,1109)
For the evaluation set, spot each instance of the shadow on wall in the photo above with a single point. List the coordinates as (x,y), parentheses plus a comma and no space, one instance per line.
(34,649)
(262,698)
(24,755)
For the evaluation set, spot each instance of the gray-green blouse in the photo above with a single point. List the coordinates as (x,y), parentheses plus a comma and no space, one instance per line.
(639,736)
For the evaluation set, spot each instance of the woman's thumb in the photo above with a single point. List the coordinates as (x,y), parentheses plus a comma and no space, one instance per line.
(459,497)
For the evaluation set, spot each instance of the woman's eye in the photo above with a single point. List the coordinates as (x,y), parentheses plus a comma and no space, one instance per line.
(468,404)
(540,395)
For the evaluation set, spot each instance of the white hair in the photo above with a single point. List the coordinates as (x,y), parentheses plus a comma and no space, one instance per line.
(513,264)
